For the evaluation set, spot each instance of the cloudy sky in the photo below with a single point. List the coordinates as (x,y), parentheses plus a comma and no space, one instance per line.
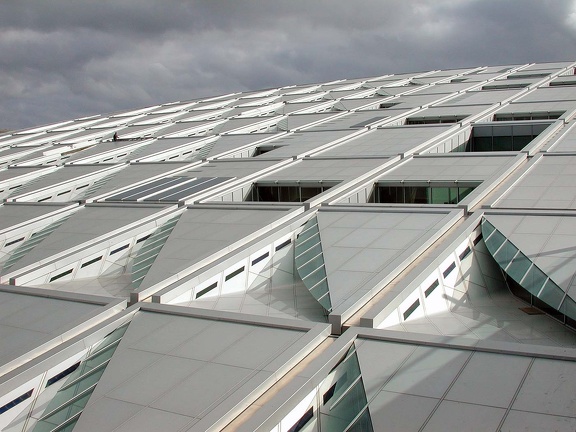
(62,59)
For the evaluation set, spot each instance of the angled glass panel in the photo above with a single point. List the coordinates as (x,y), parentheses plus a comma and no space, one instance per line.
(523,271)
(309,261)
(150,250)
(31,243)
(67,404)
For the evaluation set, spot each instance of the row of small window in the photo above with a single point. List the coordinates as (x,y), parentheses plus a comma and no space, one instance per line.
(97,259)
(436,283)
(63,193)
(240,270)
(28,394)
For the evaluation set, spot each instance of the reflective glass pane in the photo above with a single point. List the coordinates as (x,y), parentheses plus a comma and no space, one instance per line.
(551,294)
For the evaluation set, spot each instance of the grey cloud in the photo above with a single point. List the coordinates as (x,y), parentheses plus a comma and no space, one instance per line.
(64,59)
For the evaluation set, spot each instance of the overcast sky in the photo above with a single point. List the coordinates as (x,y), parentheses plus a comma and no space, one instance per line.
(66,59)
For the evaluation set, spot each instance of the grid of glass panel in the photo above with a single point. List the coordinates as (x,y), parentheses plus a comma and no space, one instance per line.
(310,263)
(65,408)
(524,272)
(150,250)
(31,243)
(345,406)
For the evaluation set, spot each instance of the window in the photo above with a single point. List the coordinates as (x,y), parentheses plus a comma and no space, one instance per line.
(446,272)
(16,401)
(234,273)
(411,309)
(308,415)
(92,261)
(416,194)
(434,120)
(61,275)
(431,288)
(283,245)
(285,193)
(11,242)
(121,248)
(465,253)
(62,374)
(537,115)
(260,258)
(497,137)
(206,290)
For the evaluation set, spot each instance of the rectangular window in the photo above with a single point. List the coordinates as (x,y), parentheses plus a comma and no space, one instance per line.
(329,393)
(446,272)
(121,248)
(16,401)
(283,245)
(141,239)
(431,288)
(61,275)
(277,193)
(465,253)
(81,187)
(411,309)
(260,258)
(406,194)
(206,290)
(503,137)
(434,120)
(537,115)
(308,415)
(44,199)
(234,273)
(477,239)
(62,374)
(11,242)
(92,261)
(64,193)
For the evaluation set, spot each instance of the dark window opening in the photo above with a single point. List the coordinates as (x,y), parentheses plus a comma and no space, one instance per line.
(385,105)
(16,401)
(143,238)
(62,374)
(491,138)
(276,193)
(121,248)
(465,253)
(92,261)
(61,275)
(308,415)
(537,115)
(206,290)
(562,83)
(446,272)
(283,245)
(14,241)
(419,194)
(431,288)
(411,309)
(261,150)
(505,86)
(234,273)
(260,258)
(434,120)
(477,239)
(527,75)
(329,393)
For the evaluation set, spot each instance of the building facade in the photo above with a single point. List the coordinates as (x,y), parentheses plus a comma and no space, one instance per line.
(387,253)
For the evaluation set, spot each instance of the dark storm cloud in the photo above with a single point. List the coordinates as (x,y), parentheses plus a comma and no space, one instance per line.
(65,59)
